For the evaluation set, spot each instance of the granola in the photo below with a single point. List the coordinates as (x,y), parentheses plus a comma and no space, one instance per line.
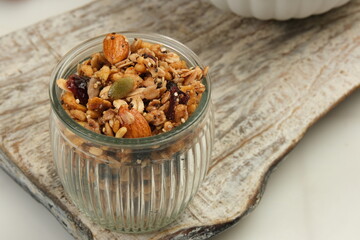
(132,90)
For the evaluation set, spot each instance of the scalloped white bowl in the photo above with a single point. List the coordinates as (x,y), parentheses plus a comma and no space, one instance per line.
(277,9)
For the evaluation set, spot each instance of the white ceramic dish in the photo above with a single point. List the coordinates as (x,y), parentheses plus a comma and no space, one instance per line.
(277,9)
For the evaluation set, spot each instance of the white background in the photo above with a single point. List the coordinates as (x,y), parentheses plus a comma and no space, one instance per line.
(314,194)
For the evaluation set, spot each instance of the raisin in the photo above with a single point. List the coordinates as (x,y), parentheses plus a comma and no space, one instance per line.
(170,85)
(176,96)
(183,98)
(78,86)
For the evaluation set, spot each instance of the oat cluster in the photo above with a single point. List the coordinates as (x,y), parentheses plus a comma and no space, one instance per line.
(132,90)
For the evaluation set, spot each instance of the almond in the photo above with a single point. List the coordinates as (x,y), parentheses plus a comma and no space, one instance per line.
(116,47)
(137,126)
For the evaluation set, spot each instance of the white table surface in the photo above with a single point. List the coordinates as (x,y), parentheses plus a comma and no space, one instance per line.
(314,194)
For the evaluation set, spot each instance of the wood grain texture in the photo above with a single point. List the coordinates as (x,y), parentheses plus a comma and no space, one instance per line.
(271,82)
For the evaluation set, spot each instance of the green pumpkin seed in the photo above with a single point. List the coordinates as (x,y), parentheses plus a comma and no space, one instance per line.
(121,88)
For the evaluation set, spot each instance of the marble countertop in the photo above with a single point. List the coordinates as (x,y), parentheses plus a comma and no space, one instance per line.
(311,195)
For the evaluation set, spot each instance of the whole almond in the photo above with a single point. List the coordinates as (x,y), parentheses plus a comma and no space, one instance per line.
(138,128)
(116,47)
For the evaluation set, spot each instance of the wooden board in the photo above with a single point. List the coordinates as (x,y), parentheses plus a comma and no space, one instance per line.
(271,82)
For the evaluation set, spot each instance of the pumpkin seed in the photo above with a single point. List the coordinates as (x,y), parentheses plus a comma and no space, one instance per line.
(121,88)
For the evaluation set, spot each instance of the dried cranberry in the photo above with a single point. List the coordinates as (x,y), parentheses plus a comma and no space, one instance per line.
(78,86)
(170,85)
(183,98)
(176,96)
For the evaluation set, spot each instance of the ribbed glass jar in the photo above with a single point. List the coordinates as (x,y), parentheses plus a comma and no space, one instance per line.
(130,185)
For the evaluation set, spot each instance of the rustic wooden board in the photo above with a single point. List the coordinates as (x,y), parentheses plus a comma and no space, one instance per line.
(272,81)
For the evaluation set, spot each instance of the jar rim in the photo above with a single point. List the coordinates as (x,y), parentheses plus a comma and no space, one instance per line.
(61,70)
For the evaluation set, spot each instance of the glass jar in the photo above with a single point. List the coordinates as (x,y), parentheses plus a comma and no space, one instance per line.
(130,185)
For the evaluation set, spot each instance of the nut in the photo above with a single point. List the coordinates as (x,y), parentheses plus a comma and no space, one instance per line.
(137,128)
(116,47)
(98,104)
